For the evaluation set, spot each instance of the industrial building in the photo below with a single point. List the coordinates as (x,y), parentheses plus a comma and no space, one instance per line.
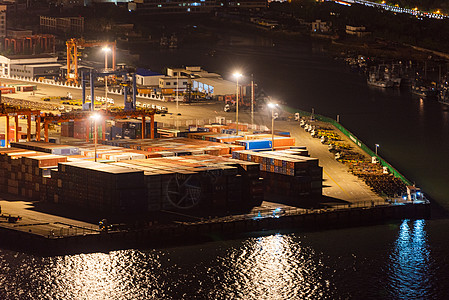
(25,42)
(37,70)
(147,77)
(73,25)
(7,61)
(202,81)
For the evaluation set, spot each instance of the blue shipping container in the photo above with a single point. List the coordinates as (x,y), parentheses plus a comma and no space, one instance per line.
(257,144)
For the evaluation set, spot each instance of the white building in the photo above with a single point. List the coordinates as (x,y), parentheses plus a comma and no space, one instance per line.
(168,82)
(201,80)
(359,31)
(147,77)
(36,70)
(321,27)
(213,86)
(6,62)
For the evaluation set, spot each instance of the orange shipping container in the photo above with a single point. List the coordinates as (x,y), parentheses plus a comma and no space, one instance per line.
(283,142)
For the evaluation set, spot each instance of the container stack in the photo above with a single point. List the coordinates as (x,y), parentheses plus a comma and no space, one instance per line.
(287,175)
(176,146)
(128,129)
(51,148)
(67,129)
(22,171)
(199,182)
(100,186)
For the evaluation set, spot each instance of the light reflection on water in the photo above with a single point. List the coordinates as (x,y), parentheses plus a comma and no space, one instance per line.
(357,263)
(273,267)
(410,266)
(270,267)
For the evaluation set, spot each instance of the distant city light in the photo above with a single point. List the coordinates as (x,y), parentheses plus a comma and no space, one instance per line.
(395,8)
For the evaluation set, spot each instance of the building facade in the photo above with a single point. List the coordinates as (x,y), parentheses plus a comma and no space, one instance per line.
(36,71)
(148,78)
(74,25)
(359,31)
(7,61)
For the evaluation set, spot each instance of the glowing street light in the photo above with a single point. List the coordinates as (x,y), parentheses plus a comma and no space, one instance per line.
(377,146)
(106,50)
(95,117)
(272,106)
(237,75)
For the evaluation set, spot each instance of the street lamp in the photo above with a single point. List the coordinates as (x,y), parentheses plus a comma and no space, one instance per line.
(95,117)
(106,51)
(237,75)
(272,106)
(377,146)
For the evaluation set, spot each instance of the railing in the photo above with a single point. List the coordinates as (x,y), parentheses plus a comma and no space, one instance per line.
(293,211)
(71,230)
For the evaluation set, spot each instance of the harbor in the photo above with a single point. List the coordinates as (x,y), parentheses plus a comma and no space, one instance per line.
(346,200)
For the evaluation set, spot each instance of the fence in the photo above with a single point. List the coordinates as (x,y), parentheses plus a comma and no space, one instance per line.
(71,230)
(354,139)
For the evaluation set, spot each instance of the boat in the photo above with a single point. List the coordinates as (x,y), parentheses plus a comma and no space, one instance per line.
(424,89)
(375,78)
(443,93)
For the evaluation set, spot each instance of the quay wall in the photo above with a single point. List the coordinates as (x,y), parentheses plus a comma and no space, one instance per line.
(157,236)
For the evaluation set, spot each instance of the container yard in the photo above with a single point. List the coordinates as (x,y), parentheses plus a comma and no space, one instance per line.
(203,179)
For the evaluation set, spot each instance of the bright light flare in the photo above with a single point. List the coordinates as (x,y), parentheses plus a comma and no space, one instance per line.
(237,75)
(106,49)
(95,117)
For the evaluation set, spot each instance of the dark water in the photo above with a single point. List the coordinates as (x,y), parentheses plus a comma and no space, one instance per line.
(399,261)
(404,260)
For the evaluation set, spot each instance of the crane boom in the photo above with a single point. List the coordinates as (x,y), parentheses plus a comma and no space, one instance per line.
(72,55)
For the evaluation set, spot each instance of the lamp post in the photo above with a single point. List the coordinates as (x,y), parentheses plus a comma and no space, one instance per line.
(177,105)
(272,106)
(252,100)
(106,51)
(237,76)
(377,146)
(95,117)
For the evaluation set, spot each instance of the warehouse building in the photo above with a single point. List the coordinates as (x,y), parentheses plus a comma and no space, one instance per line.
(7,61)
(201,80)
(147,77)
(36,71)
(213,86)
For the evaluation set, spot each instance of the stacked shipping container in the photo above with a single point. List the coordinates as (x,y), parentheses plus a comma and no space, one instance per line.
(287,173)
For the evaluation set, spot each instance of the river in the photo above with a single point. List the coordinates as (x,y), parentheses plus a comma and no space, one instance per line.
(400,260)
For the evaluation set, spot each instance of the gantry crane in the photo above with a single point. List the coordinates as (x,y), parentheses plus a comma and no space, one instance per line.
(72,55)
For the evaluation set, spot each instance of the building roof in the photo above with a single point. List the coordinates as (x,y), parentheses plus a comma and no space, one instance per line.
(214,81)
(43,65)
(146,72)
(21,56)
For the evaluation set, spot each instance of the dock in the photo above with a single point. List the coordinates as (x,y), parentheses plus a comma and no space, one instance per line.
(346,201)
